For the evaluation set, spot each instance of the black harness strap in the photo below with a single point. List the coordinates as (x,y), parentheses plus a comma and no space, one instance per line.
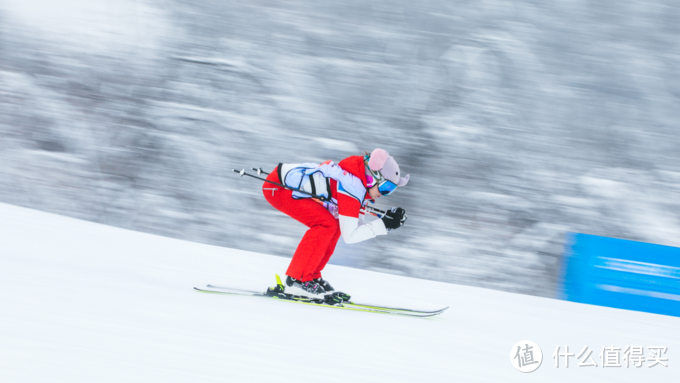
(311,181)
(278,171)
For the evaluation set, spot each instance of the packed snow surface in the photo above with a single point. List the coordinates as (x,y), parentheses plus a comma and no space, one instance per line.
(85,302)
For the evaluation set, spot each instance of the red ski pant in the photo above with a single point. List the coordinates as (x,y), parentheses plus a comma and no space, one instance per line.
(319,241)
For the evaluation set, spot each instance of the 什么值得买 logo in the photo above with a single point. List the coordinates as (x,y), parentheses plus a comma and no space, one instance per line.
(526,356)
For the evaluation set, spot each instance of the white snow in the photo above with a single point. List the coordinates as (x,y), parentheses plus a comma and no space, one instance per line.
(333,144)
(84,302)
(93,25)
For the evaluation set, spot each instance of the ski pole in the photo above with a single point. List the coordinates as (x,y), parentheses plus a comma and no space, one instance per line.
(260,171)
(370,209)
(376,212)
(242,172)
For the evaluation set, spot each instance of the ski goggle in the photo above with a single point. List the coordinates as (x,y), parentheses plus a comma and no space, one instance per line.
(386,187)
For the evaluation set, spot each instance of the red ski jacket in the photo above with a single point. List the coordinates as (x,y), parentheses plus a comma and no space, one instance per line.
(344,183)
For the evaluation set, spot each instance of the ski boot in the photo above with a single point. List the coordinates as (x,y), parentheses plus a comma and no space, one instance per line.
(310,289)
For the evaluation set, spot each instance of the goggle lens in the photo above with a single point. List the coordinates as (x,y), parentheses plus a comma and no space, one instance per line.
(387,187)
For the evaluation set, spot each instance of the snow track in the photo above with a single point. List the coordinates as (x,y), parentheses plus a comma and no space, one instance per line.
(83,302)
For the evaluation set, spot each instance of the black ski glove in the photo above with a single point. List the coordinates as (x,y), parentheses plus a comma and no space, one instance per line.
(394,218)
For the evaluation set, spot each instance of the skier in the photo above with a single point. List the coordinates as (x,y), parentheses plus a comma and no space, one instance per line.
(349,186)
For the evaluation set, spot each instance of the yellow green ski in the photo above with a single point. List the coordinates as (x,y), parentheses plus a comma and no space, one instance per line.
(279,293)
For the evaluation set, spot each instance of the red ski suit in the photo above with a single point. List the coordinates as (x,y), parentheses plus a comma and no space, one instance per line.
(319,241)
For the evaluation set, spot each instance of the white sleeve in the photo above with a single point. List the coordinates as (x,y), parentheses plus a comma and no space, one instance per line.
(353,231)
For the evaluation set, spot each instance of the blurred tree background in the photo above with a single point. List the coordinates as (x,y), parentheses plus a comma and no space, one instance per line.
(517,120)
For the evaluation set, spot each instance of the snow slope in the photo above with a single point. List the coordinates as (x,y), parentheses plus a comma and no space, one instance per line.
(84,302)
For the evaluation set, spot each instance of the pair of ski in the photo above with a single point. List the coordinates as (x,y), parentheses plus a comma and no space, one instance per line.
(279,293)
